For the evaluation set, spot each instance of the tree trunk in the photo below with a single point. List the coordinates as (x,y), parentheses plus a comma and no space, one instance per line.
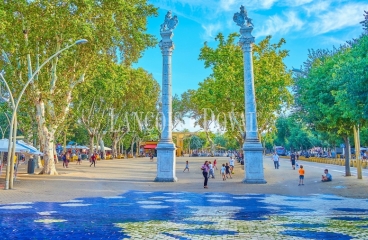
(132,146)
(64,142)
(122,150)
(347,156)
(55,154)
(46,140)
(118,148)
(91,145)
(211,143)
(138,145)
(102,148)
(115,149)
(1,162)
(39,162)
(48,153)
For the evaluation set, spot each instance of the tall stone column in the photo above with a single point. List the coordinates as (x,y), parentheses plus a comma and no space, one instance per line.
(253,150)
(166,157)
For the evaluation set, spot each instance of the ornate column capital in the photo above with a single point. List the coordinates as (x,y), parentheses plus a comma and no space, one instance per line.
(246,40)
(166,44)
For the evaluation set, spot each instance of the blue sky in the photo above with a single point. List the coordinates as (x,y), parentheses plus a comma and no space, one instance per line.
(305,24)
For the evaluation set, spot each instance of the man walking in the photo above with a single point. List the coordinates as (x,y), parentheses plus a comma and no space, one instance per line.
(292,160)
(232,164)
(212,172)
(276,159)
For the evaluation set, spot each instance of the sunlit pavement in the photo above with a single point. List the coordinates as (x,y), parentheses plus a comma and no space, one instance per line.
(107,202)
(183,215)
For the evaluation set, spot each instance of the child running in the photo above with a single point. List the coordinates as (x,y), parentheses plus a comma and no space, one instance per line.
(301,175)
(186,166)
(222,171)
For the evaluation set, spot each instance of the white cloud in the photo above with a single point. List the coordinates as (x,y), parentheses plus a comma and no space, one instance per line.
(192,3)
(342,17)
(267,4)
(278,25)
(227,5)
(317,7)
(211,30)
(295,3)
(231,5)
(328,41)
(308,17)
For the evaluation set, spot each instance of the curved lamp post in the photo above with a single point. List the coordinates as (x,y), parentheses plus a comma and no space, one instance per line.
(13,126)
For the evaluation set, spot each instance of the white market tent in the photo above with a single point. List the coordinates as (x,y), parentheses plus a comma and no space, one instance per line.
(76,147)
(4,143)
(106,148)
(32,150)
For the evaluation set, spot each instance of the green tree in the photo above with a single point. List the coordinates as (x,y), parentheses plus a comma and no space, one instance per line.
(339,103)
(178,111)
(34,30)
(116,101)
(223,91)
(196,142)
(293,134)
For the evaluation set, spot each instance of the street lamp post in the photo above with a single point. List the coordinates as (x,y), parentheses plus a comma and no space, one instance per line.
(10,132)
(13,126)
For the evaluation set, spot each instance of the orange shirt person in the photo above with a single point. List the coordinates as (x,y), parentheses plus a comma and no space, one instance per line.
(301,175)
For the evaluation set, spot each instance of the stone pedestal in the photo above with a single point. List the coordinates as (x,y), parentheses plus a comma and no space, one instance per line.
(253,150)
(253,161)
(166,162)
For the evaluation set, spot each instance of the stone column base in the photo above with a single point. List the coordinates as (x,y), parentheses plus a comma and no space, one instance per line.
(158,179)
(166,163)
(253,162)
(254,181)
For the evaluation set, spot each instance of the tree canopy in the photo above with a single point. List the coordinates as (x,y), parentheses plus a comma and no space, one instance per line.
(223,91)
(32,31)
(330,90)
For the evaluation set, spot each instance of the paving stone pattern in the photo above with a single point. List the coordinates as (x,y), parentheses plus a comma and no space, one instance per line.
(186,215)
(118,199)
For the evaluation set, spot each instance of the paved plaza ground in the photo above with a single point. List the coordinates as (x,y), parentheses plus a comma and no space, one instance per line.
(118,199)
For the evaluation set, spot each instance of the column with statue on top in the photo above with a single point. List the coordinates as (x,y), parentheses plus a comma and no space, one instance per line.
(166,158)
(253,150)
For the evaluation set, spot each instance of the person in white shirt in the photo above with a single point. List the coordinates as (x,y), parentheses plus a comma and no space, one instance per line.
(276,159)
(223,172)
(232,164)
(212,173)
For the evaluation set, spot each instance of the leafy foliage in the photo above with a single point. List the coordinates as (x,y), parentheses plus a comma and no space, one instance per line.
(223,91)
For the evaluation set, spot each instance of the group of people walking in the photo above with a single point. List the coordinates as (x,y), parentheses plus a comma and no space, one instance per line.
(66,157)
(293,160)
(208,170)
(227,169)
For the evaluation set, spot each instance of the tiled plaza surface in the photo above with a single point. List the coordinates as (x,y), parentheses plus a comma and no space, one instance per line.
(119,200)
